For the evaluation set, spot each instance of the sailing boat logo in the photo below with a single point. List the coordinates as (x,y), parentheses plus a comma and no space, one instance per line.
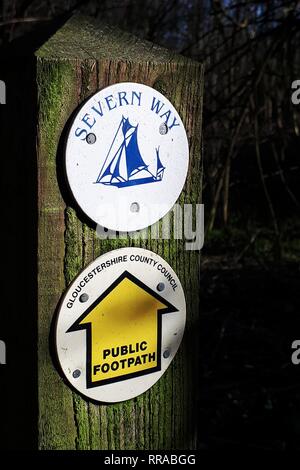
(124,165)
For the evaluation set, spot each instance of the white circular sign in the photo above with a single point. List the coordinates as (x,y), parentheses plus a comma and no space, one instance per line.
(120,324)
(127,157)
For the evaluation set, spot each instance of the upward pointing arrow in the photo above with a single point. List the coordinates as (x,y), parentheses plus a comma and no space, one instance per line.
(123,332)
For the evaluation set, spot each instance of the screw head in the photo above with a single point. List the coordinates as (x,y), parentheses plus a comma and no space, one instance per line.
(163,129)
(76,373)
(91,138)
(166,354)
(83,298)
(160,286)
(135,207)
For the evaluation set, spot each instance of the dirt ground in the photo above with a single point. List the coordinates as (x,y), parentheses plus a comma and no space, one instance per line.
(249,390)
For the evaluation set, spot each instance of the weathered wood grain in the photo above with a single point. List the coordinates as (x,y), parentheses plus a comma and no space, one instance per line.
(78,60)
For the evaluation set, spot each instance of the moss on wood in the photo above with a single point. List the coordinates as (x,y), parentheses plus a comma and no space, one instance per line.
(79,59)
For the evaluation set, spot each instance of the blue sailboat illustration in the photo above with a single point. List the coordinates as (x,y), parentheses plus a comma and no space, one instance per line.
(124,165)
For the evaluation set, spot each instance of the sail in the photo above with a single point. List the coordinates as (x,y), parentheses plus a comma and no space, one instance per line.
(126,125)
(109,169)
(124,165)
(116,173)
(112,168)
(110,159)
(133,157)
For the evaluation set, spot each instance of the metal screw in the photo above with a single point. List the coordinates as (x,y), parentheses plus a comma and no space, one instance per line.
(160,286)
(76,373)
(135,207)
(163,128)
(83,298)
(91,138)
(166,354)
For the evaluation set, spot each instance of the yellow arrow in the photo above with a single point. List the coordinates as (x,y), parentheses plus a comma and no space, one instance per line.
(123,332)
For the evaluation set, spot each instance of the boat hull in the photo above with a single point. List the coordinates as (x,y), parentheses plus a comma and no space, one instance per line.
(123,184)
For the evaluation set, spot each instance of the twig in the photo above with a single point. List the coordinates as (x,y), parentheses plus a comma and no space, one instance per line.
(282,177)
(246,248)
(23,20)
(261,173)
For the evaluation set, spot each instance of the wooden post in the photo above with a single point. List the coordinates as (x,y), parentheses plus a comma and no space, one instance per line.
(81,58)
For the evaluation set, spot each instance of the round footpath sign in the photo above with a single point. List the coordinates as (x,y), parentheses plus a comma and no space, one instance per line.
(120,324)
(127,157)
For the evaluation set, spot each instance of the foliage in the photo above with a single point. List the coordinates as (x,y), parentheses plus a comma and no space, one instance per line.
(251,53)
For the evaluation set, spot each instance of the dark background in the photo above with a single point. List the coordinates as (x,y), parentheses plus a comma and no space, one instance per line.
(249,390)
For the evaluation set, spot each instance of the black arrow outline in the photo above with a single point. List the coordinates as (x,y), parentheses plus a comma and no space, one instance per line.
(87,326)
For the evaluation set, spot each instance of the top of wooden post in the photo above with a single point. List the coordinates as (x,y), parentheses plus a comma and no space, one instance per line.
(86,38)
